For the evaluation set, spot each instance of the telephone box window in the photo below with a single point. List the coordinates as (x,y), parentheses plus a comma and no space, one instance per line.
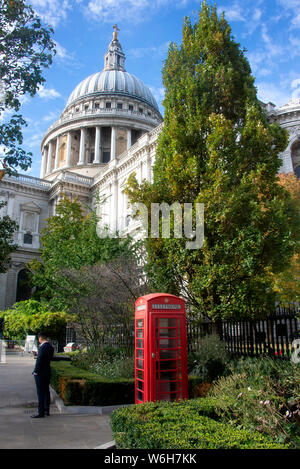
(140,385)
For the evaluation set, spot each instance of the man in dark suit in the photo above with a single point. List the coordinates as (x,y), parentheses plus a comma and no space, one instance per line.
(42,372)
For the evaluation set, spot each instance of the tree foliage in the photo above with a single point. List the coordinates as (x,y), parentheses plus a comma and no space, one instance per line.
(30,317)
(287,283)
(70,241)
(217,148)
(104,297)
(26,48)
(7,229)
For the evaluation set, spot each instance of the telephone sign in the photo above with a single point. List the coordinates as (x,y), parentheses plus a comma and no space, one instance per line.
(160,348)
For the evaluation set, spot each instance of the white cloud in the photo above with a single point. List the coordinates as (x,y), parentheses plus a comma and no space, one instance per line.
(296,21)
(51,116)
(273,49)
(233,13)
(295,83)
(48,93)
(125,10)
(280,94)
(292,8)
(264,72)
(115,10)
(34,140)
(257,14)
(158,93)
(295,43)
(140,52)
(61,52)
(52,12)
(269,92)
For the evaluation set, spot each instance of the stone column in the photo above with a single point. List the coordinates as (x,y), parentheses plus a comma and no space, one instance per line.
(128,138)
(82,146)
(68,159)
(44,163)
(149,165)
(114,205)
(57,152)
(113,144)
(49,157)
(97,144)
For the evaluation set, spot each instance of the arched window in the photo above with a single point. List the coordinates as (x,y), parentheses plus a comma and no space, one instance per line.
(296,158)
(24,286)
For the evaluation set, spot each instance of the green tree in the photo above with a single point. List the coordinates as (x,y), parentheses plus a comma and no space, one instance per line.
(7,229)
(26,48)
(217,148)
(70,241)
(30,317)
(287,282)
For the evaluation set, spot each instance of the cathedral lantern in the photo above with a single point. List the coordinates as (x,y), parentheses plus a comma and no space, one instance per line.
(160,348)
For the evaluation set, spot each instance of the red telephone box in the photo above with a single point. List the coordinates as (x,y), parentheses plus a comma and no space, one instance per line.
(160,348)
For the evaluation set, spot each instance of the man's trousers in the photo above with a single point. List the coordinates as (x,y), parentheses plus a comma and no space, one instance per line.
(43,393)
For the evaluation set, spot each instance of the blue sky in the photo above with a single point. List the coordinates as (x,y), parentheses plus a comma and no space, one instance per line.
(268,29)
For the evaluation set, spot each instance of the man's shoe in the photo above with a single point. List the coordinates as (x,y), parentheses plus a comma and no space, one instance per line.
(37,416)
(47,414)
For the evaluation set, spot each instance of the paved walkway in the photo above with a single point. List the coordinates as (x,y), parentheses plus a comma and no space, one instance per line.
(18,402)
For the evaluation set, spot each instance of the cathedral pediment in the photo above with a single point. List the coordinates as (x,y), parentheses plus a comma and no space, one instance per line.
(30,207)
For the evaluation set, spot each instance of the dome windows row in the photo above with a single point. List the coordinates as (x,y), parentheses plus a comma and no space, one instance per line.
(103,105)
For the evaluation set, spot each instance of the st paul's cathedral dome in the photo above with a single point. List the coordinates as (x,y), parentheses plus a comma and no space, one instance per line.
(105,115)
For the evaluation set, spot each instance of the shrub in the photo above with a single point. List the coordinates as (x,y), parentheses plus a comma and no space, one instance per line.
(108,362)
(262,395)
(179,425)
(80,387)
(211,360)
(119,366)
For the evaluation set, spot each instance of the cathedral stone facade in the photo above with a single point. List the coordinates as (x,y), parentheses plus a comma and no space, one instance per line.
(107,131)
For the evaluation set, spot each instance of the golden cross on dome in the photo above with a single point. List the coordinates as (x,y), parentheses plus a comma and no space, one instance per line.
(115,34)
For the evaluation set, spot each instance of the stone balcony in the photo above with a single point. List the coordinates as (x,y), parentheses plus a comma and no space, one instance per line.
(103,112)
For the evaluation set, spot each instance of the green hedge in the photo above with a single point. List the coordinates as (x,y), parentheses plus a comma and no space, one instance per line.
(181,425)
(80,387)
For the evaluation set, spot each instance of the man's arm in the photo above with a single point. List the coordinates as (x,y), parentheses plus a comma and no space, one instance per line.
(39,361)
